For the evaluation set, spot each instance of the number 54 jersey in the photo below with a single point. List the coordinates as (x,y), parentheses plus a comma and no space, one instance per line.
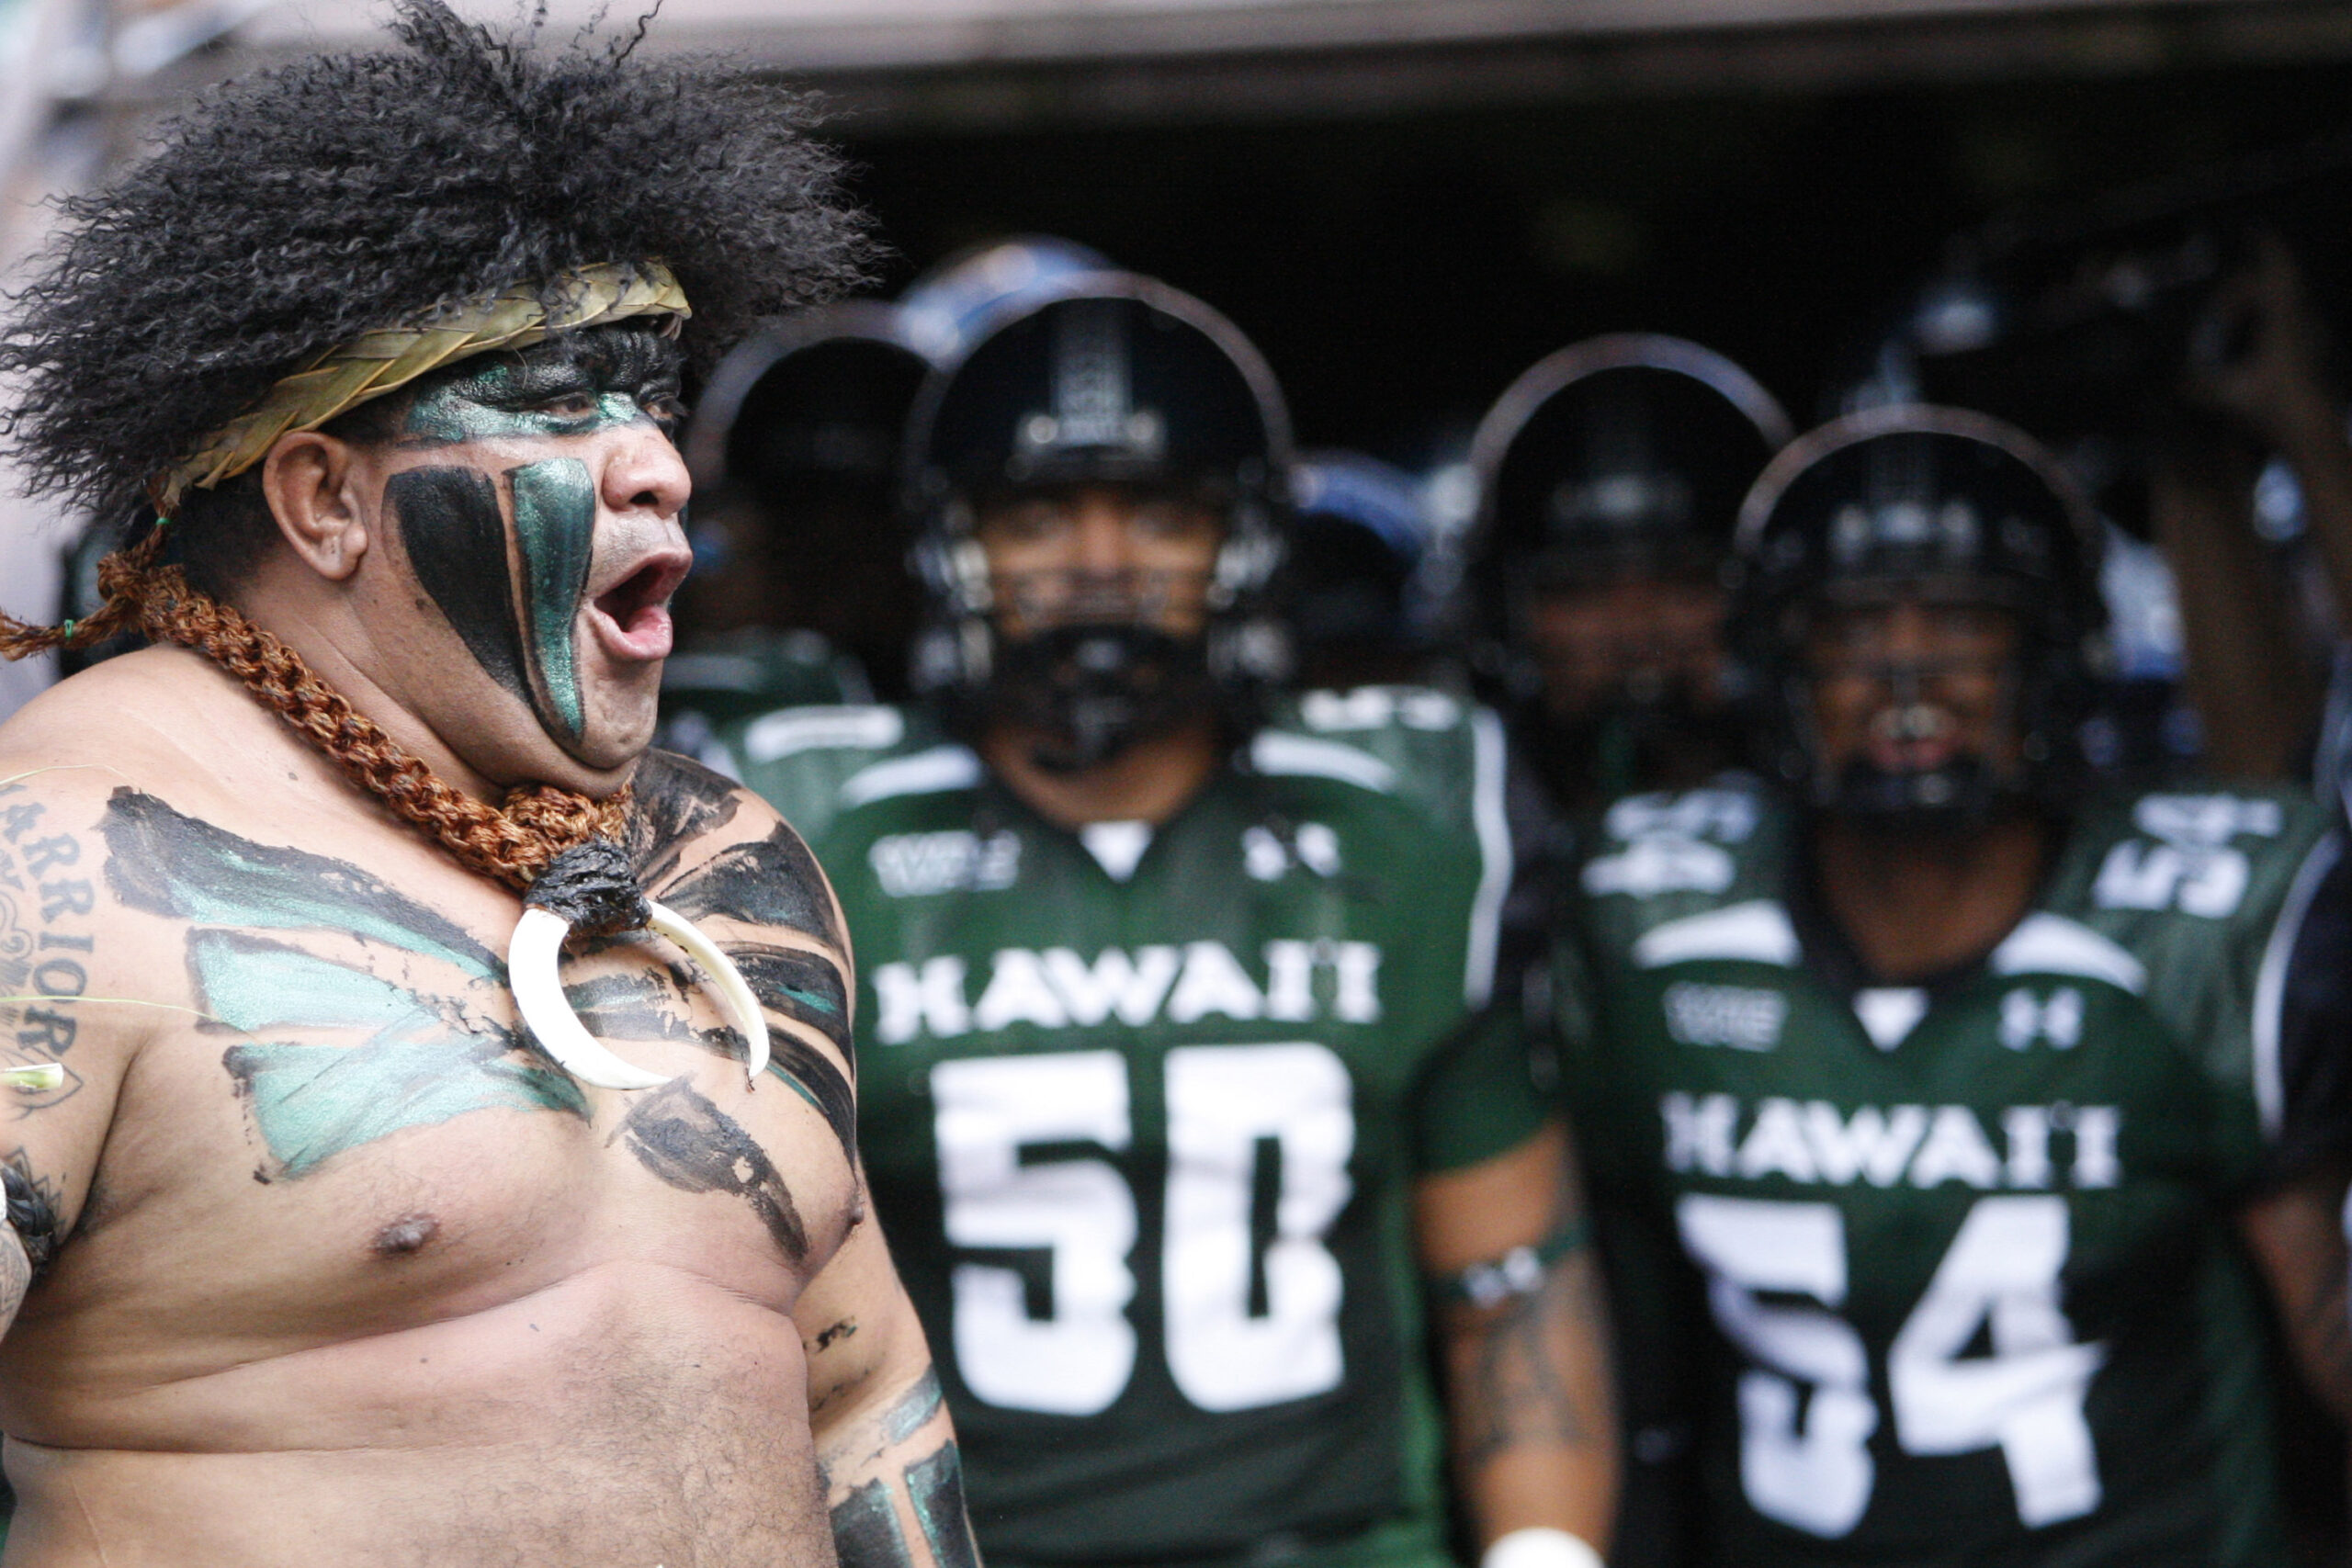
(1966,1249)
(1141,1112)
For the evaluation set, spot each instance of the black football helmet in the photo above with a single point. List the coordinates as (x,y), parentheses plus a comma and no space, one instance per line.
(1619,455)
(1912,501)
(793,449)
(1103,378)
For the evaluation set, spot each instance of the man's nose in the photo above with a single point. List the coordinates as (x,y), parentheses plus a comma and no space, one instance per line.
(1101,541)
(1907,633)
(644,473)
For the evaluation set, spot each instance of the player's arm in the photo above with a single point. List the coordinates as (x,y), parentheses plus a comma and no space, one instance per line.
(2293,1225)
(2296,1234)
(894,1483)
(1521,1334)
(75,1015)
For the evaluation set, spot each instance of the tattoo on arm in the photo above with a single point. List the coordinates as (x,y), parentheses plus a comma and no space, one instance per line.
(32,1203)
(1516,1389)
(868,1532)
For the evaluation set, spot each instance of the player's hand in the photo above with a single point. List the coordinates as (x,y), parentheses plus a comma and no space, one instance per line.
(2255,355)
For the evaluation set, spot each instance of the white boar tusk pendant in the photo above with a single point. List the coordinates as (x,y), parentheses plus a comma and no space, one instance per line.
(589,886)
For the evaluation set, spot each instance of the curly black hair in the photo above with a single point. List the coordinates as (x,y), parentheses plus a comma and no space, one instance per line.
(291,211)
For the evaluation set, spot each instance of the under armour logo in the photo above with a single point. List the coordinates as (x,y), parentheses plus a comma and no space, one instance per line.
(2026,1019)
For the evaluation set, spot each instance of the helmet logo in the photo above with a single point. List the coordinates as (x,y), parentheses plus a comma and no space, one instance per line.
(1952,530)
(1625,499)
(1093,400)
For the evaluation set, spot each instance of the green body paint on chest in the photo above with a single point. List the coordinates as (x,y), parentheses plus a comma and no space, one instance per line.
(555,524)
(421,1064)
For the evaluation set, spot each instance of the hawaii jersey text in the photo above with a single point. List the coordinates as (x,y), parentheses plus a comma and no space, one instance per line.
(1058,990)
(1815,1143)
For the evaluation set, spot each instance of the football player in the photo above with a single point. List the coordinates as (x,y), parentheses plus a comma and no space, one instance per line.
(1953,1081)
(1609,477)
(1178,1102)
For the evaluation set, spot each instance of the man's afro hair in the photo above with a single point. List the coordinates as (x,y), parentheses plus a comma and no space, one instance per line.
(290,211)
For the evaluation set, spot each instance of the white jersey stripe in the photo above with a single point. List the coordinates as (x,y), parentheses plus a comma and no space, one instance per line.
(2270,982)
(1493,823)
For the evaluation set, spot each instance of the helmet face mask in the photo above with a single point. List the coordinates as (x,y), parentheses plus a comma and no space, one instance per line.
(1917,610)
(1100,502)
(1911,706)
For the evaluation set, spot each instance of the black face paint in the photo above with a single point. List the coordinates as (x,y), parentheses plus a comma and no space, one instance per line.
(456,545)
(523,628)
(691,1145)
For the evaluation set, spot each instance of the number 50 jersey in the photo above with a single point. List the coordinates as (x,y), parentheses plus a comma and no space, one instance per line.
(1141,1113)
(1966,1251)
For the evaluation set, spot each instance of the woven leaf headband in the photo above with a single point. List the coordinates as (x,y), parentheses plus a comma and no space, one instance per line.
(389,358)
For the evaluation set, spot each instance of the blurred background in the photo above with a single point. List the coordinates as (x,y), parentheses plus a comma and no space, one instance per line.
(1405,203)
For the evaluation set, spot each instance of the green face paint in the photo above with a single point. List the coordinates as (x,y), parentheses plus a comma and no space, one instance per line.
(555,523)
(580,385)
(539,394)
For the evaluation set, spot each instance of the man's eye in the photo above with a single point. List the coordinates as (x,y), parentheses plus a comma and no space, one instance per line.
(571,405)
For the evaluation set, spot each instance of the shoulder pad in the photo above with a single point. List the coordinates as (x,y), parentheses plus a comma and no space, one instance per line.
(813,763)
(1654,859)
(2205,892)
(2207,856)
(1435,756)
(1433,751)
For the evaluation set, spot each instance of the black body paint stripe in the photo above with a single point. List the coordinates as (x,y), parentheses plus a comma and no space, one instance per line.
(865,1529)
(456,545)
(772,881)
(806,1068)
(802,986)
(915,1407)
(937,1483)
(167,864)
(691,1145)
(676,803)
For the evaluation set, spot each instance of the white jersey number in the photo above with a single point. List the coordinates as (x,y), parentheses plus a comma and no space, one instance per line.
(1814,1470)
(1225,1102)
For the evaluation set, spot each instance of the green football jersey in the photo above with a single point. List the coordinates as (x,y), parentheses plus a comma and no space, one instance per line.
(1966,1251)
(1141,1110)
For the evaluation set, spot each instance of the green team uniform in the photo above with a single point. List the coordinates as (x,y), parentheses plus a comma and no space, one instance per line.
(1965,1247)
(1141,1112)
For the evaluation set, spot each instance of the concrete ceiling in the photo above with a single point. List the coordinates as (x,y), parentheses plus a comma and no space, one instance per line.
(919,64)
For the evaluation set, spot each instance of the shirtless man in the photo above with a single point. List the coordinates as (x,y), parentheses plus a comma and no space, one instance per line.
(315,1253)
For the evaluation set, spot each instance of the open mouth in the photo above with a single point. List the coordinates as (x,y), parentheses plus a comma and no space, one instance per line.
(633,614)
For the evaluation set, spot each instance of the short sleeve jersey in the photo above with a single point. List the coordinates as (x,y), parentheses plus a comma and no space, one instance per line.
(1966,1249)
(1141,1110)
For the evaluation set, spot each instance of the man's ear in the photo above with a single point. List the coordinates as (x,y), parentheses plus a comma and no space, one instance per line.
(310,481)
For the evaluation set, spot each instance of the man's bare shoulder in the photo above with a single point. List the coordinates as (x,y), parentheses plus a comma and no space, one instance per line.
(162,721)
(710,849)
